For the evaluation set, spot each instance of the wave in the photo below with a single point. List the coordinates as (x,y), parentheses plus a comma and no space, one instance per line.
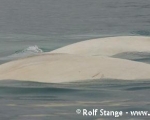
(29,51)
(27,90)
(27,87)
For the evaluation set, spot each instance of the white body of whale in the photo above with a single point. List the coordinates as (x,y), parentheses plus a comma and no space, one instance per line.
(58,68)
(108,46)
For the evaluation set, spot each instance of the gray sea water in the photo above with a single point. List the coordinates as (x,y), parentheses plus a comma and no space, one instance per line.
(29,27)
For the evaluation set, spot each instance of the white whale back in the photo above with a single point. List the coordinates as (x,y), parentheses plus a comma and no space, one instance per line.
(58,68)
(108,46)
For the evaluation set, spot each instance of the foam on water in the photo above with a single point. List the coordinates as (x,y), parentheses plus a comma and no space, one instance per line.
(29,51)
(32,49)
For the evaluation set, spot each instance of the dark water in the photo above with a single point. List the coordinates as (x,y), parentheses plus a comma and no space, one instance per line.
(54,23)
(40,101)
(50,24)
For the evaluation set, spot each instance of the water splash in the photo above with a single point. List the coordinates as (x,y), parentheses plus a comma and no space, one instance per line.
(29,51)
